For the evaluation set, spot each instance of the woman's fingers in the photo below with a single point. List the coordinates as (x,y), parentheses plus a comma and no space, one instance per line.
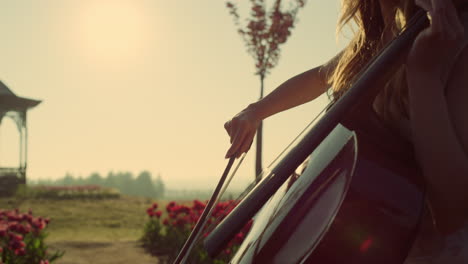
(241,129)
(237,140)
(241,140)
(246,143)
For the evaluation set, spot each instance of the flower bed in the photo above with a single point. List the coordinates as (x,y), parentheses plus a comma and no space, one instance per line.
(164,236)
(72,192)
(22,239)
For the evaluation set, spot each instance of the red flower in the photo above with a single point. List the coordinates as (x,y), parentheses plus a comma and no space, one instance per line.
(179,222)
(158,214)
(13,226)
(15,237)
(25,229)
(155,205)
(180,209)
(17,244)
(194,218)
(13,216)
(3,230)
(20,252)
(239,237)
(149,211)
(166,221)
(44,262)
(184,209)
(38,223)
(174,209)
(169,206)
(197,205)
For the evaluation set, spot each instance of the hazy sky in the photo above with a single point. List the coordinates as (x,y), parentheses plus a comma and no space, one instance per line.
(132,85)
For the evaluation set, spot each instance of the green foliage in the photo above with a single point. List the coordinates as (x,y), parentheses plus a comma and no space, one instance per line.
(95,179)
(142,185)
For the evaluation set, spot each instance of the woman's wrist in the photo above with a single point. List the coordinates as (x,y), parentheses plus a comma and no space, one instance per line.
(257,111)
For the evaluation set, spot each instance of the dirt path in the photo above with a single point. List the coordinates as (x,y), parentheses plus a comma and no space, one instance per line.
(102,253)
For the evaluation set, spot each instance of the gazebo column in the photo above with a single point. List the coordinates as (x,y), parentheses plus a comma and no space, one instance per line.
(20,119)
(23,148)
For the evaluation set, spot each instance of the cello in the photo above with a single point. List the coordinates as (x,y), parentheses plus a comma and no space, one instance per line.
(356,201)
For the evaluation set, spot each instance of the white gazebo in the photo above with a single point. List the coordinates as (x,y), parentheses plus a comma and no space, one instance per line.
(16,108)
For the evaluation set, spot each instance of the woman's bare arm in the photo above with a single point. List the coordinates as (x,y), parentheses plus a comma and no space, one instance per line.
(298,90)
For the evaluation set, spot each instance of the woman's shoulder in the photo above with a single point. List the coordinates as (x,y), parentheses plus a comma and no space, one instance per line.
(328,68)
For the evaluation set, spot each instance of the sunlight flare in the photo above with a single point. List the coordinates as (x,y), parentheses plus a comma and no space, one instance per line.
(113,31)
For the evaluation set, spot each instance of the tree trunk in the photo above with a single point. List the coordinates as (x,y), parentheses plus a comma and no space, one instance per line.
(258,156)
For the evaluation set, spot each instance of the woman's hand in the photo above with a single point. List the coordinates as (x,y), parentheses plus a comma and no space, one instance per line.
(241,129)
(436,48)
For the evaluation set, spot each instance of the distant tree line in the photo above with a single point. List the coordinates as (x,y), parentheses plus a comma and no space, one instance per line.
(125,182)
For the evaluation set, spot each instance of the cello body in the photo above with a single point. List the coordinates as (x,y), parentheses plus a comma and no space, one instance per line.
(361,207)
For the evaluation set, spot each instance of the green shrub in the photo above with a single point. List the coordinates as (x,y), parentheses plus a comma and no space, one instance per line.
(164,237)
(22,239)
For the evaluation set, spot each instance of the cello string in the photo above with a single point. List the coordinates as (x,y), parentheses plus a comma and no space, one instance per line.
(301,133)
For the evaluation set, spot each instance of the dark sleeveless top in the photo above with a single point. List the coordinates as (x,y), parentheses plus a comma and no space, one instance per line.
(387,141)
(369,126)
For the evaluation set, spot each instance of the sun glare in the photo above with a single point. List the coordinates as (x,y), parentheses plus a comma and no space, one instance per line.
(112,31)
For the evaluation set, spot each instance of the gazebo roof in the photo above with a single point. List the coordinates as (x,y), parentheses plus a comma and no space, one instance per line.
(10,102)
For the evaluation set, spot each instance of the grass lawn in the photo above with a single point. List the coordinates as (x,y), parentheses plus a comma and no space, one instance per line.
(93,231)
(119,219)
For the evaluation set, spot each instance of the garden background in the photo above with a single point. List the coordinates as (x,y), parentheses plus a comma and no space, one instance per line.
(131,88)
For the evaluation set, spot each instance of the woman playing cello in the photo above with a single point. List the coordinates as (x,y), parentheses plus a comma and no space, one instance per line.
(425,102)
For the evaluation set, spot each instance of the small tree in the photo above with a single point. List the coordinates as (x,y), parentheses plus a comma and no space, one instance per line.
(95,179)
(159,187)
(263,34)
(145,185)
(68,179)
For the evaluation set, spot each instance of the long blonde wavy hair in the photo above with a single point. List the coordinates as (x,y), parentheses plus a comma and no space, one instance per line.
(366,43)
